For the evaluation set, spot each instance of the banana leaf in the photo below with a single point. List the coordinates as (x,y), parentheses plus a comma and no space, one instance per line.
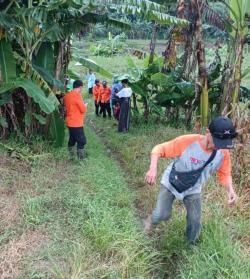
(45,58)
(7,61)
(32,91)
(57,129)
(48,77)
(92,65)
(5,98)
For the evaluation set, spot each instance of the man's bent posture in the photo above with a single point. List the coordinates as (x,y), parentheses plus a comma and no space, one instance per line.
(197,157)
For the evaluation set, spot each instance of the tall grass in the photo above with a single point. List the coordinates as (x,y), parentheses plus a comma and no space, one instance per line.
(222,250)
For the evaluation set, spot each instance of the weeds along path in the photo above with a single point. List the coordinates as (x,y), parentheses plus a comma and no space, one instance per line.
(225,234)
(62,219)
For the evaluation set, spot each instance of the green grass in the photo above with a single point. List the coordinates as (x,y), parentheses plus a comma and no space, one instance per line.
(222,251)
(87,217)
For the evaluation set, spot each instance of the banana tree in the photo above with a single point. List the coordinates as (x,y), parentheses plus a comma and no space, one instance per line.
(237,39)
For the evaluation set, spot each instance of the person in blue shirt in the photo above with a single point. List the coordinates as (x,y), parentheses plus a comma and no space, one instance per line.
(91,81)
(116,87)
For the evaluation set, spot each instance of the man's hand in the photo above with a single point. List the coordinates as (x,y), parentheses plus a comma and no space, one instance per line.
(150,177)
(232,197)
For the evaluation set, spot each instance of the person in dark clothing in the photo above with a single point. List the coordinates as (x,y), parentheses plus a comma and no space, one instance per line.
(75,111)
(124,100)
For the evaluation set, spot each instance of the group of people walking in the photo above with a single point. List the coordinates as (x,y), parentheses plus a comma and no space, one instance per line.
(196,157)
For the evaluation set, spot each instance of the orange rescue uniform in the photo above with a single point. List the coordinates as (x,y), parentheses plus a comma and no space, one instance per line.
(97,91)
(75,109)
(105,95)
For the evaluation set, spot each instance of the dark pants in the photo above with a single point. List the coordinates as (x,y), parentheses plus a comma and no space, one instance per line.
(97,106)
(123,125)
(76,135)
(192,203)
(105,107)
(91,91)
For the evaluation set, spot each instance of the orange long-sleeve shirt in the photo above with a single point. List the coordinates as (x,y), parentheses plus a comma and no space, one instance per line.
(97,91)
(75,109)
(175,148)
(105,94)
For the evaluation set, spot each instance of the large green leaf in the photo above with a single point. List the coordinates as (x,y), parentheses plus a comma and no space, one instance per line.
(48,77)
(5,98)
(7,62)
(32,91)
(45,57)
(57,129)
(161,79)
(90,64)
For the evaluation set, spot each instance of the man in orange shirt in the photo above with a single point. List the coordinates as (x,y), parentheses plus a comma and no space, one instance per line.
(75,111)
(105,99)
(196,158)
(97,91)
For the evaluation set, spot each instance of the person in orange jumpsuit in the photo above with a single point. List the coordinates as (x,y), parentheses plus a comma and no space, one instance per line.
(105,99)
(75,112)
(97,90)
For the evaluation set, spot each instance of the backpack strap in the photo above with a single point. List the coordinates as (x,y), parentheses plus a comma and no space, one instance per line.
(210,159)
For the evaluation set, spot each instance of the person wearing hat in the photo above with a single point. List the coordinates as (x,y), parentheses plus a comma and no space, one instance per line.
(105,99)
(97,90)
(75,112)
(196,158)
(124,99)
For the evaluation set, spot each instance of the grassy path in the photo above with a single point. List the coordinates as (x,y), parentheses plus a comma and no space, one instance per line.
(70,220)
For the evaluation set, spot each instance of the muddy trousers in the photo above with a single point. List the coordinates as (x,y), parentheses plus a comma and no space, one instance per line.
(192,203)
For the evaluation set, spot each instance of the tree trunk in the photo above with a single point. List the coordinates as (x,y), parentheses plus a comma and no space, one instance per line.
(233,78)
(170,51)
(202,80)
(153,43)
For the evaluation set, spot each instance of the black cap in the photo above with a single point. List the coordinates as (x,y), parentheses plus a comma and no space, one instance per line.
(104,82)
(97,81)
(223,132)
(77,83)
(125,80)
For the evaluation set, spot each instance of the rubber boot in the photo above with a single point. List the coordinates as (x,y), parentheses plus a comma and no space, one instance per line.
(81,154)
(71,150)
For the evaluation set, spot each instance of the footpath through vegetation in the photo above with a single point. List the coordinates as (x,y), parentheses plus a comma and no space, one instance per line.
(62,219)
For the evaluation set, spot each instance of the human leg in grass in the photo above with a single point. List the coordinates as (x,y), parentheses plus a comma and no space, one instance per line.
(103,110)
(76,136)
(162,211)
(108,109)
(97,108)
(193,207)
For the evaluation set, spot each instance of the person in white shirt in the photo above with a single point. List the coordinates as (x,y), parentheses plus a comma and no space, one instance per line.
(91,81)
(124,99)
